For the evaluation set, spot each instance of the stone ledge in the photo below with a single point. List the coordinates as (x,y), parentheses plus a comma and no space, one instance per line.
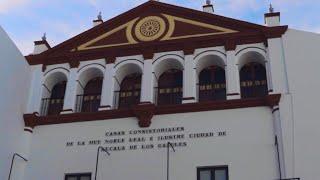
(145,112)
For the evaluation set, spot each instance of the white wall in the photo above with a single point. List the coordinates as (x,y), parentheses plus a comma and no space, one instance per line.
(303,62)
(14,78)
(249,141)
(248,148)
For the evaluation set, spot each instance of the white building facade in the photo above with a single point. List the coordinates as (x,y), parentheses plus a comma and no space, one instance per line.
(15,75)
(165,92)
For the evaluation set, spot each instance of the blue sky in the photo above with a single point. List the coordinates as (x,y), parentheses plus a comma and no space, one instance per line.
(26,20)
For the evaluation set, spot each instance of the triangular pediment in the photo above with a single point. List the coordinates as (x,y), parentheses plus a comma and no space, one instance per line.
(156,27)
(157,22)
(162,27)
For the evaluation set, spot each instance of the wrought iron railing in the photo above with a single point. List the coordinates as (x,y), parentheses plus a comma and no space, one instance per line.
(258,88)
(126,99)
(210,91)
(51,106)
(88,102)
(168,95)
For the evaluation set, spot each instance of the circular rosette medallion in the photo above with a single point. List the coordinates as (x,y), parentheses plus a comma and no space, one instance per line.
(150,28)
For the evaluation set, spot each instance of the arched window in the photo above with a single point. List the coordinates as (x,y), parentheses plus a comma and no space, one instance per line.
(170,87)
(130,89)
(253,79)
(127,84)
(54,88)
(212,84)
(90,99)
(55,104)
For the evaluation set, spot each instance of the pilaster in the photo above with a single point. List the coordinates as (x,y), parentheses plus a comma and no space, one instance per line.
(26,142)
(71,93)
(189,80)
(279,140)
(232,77)
(269,76)
(147,89)
(107,94)
(277,65)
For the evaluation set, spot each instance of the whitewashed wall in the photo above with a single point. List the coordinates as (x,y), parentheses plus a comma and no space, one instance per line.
(14,78)
(248,147)
(301,122)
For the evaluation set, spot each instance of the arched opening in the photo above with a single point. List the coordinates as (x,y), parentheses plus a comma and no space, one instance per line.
(54,89)
(128,85)
(168,71)
(130,90)
(212,84)
(89,90)
(253,75)
(170,87)
(57,98)
(211,78)
(92,95)
(253,80)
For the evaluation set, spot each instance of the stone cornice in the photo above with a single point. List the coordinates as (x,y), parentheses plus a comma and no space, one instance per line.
(145,112)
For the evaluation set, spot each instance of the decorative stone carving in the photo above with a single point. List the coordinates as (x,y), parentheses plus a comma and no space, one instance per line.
(30,120)
(150,28)
(144,113)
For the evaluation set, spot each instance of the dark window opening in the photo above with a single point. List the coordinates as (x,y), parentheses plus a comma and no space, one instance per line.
(253,81)
(213,173)
(212,84)
(54,104)
(85,176)
(130,90)
(170,87)
(89,101)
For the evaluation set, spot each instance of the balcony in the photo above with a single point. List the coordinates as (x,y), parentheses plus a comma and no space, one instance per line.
(32,120)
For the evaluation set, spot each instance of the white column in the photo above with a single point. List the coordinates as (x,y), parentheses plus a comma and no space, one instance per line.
(35,91)
(269,77)
(189,80)
(232,77)
(279,139)
(147,90)
(277,66)
(71,93)
(107,94)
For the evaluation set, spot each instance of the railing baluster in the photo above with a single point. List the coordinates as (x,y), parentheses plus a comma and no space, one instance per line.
(216,91)
(88,102)
(51,106)
(126,99)
(165,97)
